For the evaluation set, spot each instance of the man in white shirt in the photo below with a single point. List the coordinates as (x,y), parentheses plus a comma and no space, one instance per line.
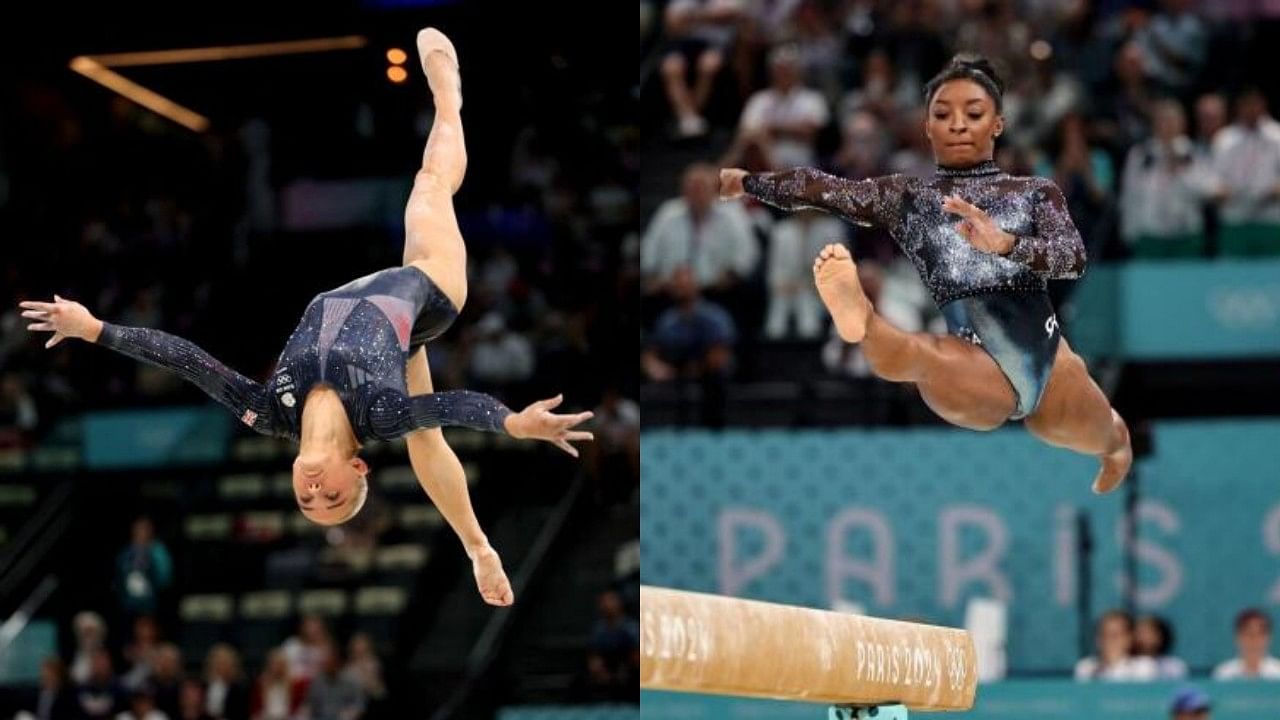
(714,239)
(1246,161)
(1114,660)
(1165,184)
(1253,643)
(786,116)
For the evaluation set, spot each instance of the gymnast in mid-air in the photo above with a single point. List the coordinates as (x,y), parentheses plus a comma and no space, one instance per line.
(984,243)
(355,368)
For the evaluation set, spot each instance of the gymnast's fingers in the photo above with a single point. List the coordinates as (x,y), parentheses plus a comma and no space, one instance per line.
(571,420)
(35,314)
(47,327)
(579,436)
(565,446)
(57,338)
(37,305)
(550,403)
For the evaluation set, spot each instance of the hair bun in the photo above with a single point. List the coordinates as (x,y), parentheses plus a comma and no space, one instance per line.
(980,64)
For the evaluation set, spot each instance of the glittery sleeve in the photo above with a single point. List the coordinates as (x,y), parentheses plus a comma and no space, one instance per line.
(1056,250)
(393,413)
(464,408)
(244,397)
(872,201)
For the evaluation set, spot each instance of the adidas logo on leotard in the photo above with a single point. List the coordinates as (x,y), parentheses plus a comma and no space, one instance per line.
(1051,324)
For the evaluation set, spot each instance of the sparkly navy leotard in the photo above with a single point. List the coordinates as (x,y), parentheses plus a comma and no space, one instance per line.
(357,339)
(994,301)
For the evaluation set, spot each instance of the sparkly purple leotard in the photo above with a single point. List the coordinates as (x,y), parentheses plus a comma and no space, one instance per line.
(357,339)
(997,302)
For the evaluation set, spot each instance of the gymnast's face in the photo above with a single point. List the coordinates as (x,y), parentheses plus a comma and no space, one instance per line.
(962,124)
(328,485)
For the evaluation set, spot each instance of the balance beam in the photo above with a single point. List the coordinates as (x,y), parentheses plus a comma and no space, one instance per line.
(693,642)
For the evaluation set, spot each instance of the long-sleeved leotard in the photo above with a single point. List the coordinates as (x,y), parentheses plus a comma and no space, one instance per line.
(996,301)
(357,339)
(1031,209)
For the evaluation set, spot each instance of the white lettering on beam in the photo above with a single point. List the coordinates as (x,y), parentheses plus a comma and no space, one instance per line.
(673,637)
(900,664)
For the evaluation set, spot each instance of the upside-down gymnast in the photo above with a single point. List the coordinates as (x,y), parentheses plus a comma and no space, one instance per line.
(984,243)
(356,366)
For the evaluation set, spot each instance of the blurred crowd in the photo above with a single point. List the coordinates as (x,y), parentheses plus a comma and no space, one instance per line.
(145,677)
(1143,650)
(1153,116)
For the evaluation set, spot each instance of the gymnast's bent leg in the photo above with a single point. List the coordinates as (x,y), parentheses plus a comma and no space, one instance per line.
(433,243)
(1075,414)
(957,380)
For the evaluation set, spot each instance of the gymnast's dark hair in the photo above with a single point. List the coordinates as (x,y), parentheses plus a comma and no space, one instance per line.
(968,66)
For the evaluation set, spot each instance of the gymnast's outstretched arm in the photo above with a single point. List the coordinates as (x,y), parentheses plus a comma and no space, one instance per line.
(394,414)
(872,201)
(66,318)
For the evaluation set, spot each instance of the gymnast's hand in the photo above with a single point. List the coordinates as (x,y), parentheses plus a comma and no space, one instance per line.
(977,227)
(64,318)
(731,183)
(537,422)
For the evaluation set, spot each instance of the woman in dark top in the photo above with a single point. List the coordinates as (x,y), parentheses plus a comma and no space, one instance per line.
(355,368)
(984,243)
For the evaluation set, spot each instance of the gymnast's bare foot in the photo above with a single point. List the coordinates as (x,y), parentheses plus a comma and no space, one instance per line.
(491,579)
(1115,465)
(440,64)
(837,278)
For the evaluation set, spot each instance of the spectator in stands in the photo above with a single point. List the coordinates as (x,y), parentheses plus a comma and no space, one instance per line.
(143,571)
(1086,176)
(142,706)
(793,299)
(613,658)
(91,635)
(1253,650)
(698,231)
(865,146)
(786,116)
(275,695)
(1211,117)
(692,343)
(615,454)
(17,406)
(1189,704)
(54,699)
(881,93)
(500,356)
(191,702)
(1175,43)
(1153,638)
(1124,111)
(913,156)
(305,651)
(1114,659)
(1246,161)
(226,692)
(332,696)
(141,652)
(1161,196)
(364,668)
(166,678)
(101,695)
(701,33)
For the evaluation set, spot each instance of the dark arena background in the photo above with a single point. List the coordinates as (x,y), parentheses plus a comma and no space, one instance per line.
(151,553)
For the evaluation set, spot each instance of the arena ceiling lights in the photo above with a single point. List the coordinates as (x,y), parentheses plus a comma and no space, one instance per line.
(98,68)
